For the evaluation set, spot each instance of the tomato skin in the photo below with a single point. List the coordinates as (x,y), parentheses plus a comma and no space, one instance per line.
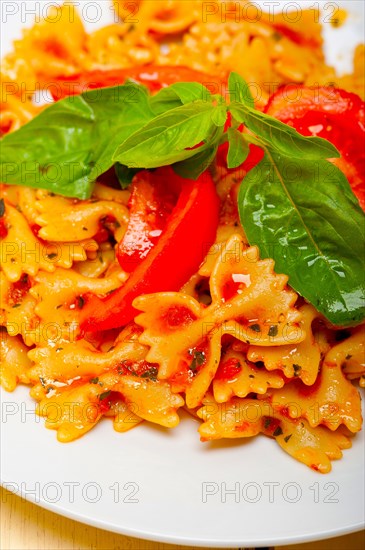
(228,369)
(3,228)
(152,76)
(19,290)
(153,197)
(181,248)
(330,113)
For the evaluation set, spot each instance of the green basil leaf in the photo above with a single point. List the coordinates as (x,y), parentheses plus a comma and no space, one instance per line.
(178,94)
(219,115)
(239,91)
(186,92)
(170,137)
(305,216)
(238,148)
(193,167)
(69,144)
(124,174)
(281,137)
(162,103)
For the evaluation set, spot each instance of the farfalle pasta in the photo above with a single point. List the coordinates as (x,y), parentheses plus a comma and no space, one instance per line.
(233,344)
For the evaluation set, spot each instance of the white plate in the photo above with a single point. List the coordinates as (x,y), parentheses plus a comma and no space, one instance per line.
(165,485)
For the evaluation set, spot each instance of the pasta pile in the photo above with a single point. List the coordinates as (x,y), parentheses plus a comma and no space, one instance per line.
(266,50)
(236,347)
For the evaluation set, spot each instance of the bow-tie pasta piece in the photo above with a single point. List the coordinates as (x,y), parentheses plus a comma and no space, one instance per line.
(351,354)
(22,252)
(15,364)
(247,289)
(315,447)
(76,410)
(17,309)
(249,302)
(168,17)
(73,411)
(106,193)
(169,320)
(124,419)
(152,400)
(59,298)
(100,265)
(331,401)
(60,363)
(23,199)
(236,418)
(61,219)
(224,233)
(297,360)
(236,376)
(186,350)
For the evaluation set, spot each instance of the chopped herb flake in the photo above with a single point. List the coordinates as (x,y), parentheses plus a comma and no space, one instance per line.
(277,36)
(94,380)
(267,423)
(297,369)
(151,374)
(2,208)
(277,432)
(104,395)
(80,302)
(255,328)
(273,330)
(287,437)
(198,360)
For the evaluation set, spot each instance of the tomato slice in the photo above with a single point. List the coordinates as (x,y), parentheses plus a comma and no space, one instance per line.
(152,76)
(330,113)
(189,232)
(153,197)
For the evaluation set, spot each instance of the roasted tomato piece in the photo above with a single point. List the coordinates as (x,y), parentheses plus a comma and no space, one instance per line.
(330,113)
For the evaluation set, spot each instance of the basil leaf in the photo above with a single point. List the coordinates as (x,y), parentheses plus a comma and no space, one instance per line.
(238,148)
(124,174)
(162,103)
(219,115)
(281,137)
(69,144)
(193,167)
(178,94)
(185,92)
(169,137)
(239,90)
(305,216)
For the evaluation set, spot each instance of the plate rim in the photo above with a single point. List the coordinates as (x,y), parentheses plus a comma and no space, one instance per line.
(186,541)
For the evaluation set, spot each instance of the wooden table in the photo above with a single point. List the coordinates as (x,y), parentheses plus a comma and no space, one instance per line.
(25,526)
